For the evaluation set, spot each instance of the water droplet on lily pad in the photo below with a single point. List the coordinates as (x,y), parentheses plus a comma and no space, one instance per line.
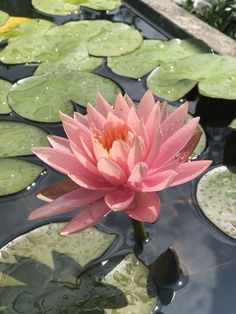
(16,175)
(216,196)
(17,138)
(63,87)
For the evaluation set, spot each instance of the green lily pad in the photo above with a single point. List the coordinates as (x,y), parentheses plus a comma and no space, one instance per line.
(64,7)
(16,175)
(5,86)
(17,138)
(218,87)
(118,40)
(152,53)
(73,57)
(40,98)
(216,196)
(167,86)
(3,17)
(116,286)
(20,27)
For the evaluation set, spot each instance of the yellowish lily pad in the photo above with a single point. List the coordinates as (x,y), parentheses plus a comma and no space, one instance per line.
(3,17)
(16,175)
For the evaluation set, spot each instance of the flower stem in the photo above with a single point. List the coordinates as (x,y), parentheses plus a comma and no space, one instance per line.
(139,231)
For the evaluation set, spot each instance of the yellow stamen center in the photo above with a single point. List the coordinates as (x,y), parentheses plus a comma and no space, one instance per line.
(111,134)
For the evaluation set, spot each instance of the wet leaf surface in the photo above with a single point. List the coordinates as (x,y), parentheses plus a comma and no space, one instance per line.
(16,175)
(40,98)
(5,86)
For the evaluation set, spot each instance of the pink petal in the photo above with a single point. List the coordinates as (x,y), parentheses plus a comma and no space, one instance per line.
(153,122)
(175,143)
(86,218)
(138,173)
(119,154)
(132,120)
(145,105)
(154,147)
(87,147)
(113,120)
(102,106)
(119,199)
(174,121)
(128,101)
(137,153)
(91,182)
(96,118)
(111,171)
(73,132)
(121,108)
(158,181)
(190,170)
(67,119)
(81,119)
(163,110)
(66,202)
(99,151)
(60,143)
(84,161)
(146,207)
(62,162)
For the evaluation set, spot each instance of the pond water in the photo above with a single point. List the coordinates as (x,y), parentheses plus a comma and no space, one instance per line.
(207,256)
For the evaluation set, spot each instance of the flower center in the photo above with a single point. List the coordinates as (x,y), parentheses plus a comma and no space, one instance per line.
(111,134)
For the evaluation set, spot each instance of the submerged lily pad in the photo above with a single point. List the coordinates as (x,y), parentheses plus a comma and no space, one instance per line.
(117,285)
(17,138)
(152,53)
(16,175)
(118,40)
(5,86)
(167,86)
(216,196)
(64,7)
(40,98)
(3,17)
(215,74)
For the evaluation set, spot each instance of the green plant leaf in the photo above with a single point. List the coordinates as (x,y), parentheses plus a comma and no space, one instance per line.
(5,86)
(40,98)
(64,7)
(215,74)
(152,53)
(16,175)
(17,138)
(118,40)
(167,86)
(216,196)
(3,17)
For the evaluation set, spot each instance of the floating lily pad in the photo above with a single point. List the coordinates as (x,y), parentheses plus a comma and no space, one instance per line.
(152,53)
(3,17)
(74,57)
(17,139)
(215,74)
(40,98)
(64,7)
(117,285)
(118,40)
(167,86)
(216,195)
(21,27)
(16,175)
(4,89)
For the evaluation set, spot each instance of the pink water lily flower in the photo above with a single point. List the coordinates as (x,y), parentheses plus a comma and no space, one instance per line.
(118,158)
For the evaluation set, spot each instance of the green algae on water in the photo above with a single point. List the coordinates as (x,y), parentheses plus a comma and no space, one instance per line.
(17,138)
(16,175)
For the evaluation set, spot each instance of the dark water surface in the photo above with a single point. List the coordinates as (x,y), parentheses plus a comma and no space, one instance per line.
(207,256)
